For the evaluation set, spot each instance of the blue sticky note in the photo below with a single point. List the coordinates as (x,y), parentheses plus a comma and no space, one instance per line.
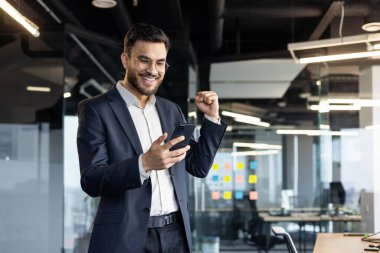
(252,165)
(215,178)
(239,195)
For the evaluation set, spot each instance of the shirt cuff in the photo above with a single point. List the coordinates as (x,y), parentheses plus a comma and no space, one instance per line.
(143,174)
(216,121)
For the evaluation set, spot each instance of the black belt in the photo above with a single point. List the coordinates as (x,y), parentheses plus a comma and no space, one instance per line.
(163,220)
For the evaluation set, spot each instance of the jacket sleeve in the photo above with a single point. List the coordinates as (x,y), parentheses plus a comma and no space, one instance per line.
(98,177)
(200,157)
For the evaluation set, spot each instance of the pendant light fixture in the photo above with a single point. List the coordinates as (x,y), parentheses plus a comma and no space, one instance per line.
(104,4)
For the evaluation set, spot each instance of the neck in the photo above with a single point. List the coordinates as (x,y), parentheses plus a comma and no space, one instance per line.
(143,99)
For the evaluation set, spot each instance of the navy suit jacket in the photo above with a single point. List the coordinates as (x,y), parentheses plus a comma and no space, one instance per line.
(109,147)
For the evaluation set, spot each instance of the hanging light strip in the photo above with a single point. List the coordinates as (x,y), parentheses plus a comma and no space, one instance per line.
(338,57)
(26,23)
(311,132)
(366,39)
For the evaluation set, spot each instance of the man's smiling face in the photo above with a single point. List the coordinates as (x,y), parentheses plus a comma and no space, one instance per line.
(142,73)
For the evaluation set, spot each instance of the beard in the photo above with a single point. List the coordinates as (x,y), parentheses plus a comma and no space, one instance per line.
(132,79)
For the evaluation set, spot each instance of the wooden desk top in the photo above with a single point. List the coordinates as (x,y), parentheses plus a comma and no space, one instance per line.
(292,218)
(341,218)
(338,243)
(311,217)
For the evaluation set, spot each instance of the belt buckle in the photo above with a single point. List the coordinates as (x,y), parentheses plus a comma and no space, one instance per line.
(166,220)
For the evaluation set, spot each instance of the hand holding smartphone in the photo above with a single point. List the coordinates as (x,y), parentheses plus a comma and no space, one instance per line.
(185,129)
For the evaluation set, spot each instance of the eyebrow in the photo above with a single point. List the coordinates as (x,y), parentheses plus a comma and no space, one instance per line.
(146,57)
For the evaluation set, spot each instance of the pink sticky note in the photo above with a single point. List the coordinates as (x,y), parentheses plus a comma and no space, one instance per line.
(253,195)
(239,179)
(227,166)
(215,195)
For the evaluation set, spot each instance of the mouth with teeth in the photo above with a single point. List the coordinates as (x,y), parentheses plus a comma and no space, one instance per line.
(148,79)
(149,83)
(145,83)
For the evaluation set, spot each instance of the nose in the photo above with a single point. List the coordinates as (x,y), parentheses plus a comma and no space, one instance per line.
(152,69)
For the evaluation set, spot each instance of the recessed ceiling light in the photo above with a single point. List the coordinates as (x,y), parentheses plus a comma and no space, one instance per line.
(371,27)
(104,4)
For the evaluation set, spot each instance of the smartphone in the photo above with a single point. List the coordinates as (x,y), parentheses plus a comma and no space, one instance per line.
(185,129)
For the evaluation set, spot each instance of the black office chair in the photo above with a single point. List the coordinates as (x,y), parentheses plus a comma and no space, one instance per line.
(258,237)
(279,231)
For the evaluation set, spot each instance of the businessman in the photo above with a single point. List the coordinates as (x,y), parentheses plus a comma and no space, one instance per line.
(125,156)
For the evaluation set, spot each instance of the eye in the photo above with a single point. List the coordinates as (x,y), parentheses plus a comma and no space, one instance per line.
(160,63)
(144,60)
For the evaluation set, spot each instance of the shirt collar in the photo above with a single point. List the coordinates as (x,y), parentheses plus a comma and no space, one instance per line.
(131,99)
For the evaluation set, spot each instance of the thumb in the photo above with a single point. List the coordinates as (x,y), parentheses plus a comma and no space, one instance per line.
(160,139)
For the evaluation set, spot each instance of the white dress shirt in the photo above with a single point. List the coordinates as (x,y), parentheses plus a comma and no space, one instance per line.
(148,126)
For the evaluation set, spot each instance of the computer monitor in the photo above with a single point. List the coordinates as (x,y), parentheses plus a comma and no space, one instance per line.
(279,231)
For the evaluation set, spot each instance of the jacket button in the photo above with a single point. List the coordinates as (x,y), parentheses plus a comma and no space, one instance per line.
(147,210)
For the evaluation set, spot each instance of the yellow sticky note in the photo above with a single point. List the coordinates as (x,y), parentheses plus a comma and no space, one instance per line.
(253,195)
(240,165)
(227,195)
(215,195)
(252,179)
(227,179)
(215,166)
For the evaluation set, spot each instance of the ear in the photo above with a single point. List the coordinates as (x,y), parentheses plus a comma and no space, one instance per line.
(124,60)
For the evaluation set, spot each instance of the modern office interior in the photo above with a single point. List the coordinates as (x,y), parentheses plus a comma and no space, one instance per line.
(298,84)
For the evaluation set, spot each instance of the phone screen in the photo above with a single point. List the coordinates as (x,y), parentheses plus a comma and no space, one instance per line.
(185,129)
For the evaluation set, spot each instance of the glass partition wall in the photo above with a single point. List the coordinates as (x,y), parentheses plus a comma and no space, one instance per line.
(31,138)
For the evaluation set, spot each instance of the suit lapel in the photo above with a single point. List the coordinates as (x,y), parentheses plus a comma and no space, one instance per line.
(165,124)
(122,114)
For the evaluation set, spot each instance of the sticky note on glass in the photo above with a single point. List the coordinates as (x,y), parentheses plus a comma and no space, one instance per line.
(215,178)
(215,166)
(227,195)
(252,179)
(240,165)
(239,179)
(253,195)
(239,195)
(252,165)
(215,195)
(227,179)
(227,166)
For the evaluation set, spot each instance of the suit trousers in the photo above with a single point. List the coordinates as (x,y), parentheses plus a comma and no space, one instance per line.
(168,239)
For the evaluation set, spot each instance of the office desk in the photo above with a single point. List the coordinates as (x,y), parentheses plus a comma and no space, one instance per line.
(310,217)
(338,243)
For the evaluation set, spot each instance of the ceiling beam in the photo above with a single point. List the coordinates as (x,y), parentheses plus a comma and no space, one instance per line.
(176,13)
(330,14)
(216,22)
(121,16)
(91,36)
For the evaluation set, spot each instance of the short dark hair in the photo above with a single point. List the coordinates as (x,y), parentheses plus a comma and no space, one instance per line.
(144,32)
